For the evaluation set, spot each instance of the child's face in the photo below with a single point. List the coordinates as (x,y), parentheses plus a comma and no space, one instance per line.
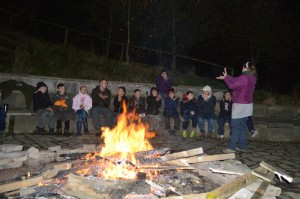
(137,94)
(83,90)
(154,93)
(171,95)
(227,96)
(43,89)
(190,96)
(61,89)
(120,92)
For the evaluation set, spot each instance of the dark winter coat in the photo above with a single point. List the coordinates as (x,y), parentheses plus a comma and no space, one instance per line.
(225,108)
(186,106)
(137,104)
(98,101)
(162,85)
(61,112)
(153,105)
(206,107)
(41,101)
(171,106)
(119,104)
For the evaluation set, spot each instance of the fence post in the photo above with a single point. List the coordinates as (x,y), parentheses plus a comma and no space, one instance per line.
(66,36)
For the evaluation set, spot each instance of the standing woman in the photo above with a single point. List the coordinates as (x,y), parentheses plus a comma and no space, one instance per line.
(242,97)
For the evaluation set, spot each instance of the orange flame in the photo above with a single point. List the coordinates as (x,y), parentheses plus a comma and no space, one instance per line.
(127,137)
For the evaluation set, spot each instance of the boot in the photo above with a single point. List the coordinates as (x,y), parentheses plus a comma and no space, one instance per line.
(202,134)
(209,134)
(66,132)
(39,131)
(51,131)
(59,131)
(78,125)
(85,126)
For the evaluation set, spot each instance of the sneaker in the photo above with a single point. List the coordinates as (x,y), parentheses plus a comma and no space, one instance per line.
(220,136)
(254,133)
(228,151)
(184,134)
(192,134)
(241,150)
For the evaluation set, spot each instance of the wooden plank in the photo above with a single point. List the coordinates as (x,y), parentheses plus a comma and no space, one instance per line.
(20,184)
(276,171)
(263,174)
(190,196)
(182,154)
(259,193)
(225,172)
(209,158)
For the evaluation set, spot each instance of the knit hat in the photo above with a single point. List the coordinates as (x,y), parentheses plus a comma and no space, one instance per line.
(206,88)
(39,85)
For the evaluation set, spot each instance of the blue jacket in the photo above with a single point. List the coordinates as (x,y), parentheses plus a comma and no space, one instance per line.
(171,106)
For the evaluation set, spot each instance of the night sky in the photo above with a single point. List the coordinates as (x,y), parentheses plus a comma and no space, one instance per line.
(227,33)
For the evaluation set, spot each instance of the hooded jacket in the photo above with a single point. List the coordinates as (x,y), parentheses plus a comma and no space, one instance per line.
(82,99)
(186,106)
(153,105)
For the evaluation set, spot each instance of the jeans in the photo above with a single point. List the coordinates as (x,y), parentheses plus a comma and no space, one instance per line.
(107,114)
(238,134)
(46,117)
(221,122)
(2,119)
(186,122)
(163,96)
(249,123)
(176,118)
(211,122)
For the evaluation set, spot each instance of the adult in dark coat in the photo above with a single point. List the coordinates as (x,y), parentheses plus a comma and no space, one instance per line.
(153,105)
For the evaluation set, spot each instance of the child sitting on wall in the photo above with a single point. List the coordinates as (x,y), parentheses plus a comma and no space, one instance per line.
(2,115)
(82,103)
(62,104)
(43,106)
(170,111)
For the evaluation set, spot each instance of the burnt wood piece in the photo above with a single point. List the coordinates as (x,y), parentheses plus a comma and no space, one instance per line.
(152,153)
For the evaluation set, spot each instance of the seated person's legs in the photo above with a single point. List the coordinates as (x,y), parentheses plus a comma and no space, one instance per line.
(108,115)
(2,120)
(221,122)
(95,118)
(201,125)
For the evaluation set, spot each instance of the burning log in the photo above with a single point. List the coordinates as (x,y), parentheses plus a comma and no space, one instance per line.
(182,154)
(151,153)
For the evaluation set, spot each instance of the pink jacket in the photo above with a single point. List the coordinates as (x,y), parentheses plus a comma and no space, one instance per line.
(242,88)
(84,100)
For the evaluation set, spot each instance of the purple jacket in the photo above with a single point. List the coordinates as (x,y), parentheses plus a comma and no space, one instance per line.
(162,85)
(242,87)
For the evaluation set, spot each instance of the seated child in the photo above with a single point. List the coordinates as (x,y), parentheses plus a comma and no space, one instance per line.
(154,103)
(2,115)
(43,106)
(170,111)
(188,110)
(225,113)
(137,104)
(120,99)
(62,104)
(206,111)
(82,103)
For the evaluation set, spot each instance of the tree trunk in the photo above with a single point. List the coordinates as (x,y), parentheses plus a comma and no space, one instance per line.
(128,32)
(109,31)
(173,36)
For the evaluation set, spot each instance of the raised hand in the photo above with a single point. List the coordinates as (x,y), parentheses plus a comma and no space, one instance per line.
(224,74)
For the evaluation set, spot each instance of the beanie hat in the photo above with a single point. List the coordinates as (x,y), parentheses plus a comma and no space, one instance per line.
(39,85)
(206,88)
